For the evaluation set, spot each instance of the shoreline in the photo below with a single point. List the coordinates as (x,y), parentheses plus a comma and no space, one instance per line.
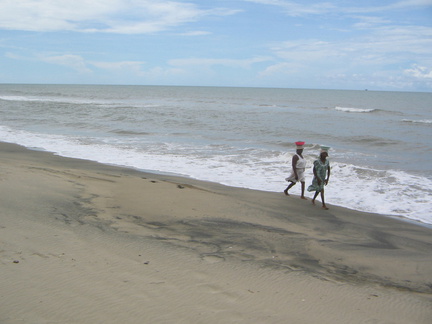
(183,176)
(86,242)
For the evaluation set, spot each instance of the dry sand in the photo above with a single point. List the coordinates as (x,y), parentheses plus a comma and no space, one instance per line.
(82,242)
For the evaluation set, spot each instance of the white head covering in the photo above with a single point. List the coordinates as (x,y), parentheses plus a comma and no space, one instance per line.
(325,148)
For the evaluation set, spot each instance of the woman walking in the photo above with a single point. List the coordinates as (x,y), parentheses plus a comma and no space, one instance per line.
(298,169)
(321,172)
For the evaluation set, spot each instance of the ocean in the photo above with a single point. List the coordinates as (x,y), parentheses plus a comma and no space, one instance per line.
(381,142)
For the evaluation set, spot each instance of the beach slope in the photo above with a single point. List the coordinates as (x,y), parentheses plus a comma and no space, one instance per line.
(82,242)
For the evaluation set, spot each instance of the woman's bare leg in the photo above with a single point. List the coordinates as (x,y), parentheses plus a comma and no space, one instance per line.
(313,199)
(322,199)
(292,184)
(302,191)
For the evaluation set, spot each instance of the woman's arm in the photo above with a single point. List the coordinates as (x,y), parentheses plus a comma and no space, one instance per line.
(294,165)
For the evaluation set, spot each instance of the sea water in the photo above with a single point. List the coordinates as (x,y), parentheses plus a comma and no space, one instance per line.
(381,142)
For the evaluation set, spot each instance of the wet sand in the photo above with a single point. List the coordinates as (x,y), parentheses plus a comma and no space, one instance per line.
(82,242)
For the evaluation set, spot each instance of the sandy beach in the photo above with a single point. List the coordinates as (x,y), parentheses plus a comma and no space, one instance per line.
(82,242)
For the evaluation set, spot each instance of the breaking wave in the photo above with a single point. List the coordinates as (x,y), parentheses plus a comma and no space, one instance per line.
(354,110)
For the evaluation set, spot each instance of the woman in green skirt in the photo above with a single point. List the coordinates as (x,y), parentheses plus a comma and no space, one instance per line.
(321,172)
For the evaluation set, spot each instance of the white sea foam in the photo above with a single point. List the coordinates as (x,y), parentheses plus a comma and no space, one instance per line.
(389,192)
(54,100)
(420,121)
(354,110)
(15,98)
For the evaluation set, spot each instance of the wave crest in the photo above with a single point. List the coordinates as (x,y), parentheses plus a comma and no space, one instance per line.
(420,121)
(354,110)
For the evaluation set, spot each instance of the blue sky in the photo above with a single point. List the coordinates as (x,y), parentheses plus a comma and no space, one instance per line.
(335,44)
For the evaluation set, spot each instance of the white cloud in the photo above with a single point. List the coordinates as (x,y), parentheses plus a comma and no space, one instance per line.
(129,68)
(409,4)
(420,72)
(195,33)
(383,58)
(391,45)
(160,72)
(381,46)
(310,51)
(74,62)
(293,8)
(79,64)
(236,63)
(134,66)
(367,22)
(281,68)
(297,8)
(115,16)
(51,15)
(13,56)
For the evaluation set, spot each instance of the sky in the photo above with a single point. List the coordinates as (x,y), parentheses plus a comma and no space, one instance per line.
(334,44)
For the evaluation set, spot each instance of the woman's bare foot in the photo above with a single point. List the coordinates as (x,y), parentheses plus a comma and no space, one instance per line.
(325,207)
(303,197)
(286,192)
(313,201)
